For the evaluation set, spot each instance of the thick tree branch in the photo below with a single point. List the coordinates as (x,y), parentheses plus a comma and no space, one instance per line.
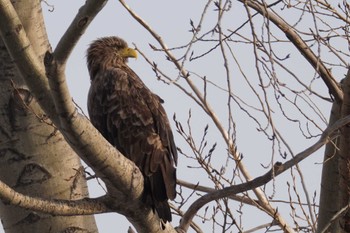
(77,28)
(329,134)
(54,207)
(200,202)
(194,226)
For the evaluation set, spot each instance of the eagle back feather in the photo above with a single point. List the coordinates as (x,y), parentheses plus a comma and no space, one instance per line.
(132,119)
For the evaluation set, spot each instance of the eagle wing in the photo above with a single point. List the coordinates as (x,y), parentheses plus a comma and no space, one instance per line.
(132,119)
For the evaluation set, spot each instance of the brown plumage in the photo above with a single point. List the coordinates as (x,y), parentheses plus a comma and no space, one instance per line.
(132,119)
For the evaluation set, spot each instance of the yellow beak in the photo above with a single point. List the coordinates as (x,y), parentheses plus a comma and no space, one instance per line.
(128,52)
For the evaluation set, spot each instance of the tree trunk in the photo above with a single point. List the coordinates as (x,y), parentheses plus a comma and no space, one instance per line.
(330,178)
(34,157)
(344,159)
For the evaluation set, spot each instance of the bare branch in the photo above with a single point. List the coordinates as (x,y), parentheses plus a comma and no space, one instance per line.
(85,206)
(277,169)
(194,226)
(300,44)
(255,229)
(199,203)
(336,216)
(77,28)
(201,188)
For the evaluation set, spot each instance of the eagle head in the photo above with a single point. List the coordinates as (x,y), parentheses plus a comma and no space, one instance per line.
(108,52)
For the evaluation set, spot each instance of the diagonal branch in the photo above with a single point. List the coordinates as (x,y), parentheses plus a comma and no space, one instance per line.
(77,28)
(299,43)
(215,195)
(329,134)
(197,187)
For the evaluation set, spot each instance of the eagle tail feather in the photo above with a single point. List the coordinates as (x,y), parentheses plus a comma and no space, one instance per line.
(163,210)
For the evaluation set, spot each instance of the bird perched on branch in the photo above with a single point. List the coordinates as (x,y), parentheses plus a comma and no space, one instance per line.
(132,119)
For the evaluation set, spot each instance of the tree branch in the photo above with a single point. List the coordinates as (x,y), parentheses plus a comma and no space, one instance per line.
(85,206)
(328,135)
(201,188)
(77,28)
(215,195)
(336,216)
(300,44)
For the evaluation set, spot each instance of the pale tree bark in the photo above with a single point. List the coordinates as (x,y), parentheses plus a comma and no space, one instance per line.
(34,157)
